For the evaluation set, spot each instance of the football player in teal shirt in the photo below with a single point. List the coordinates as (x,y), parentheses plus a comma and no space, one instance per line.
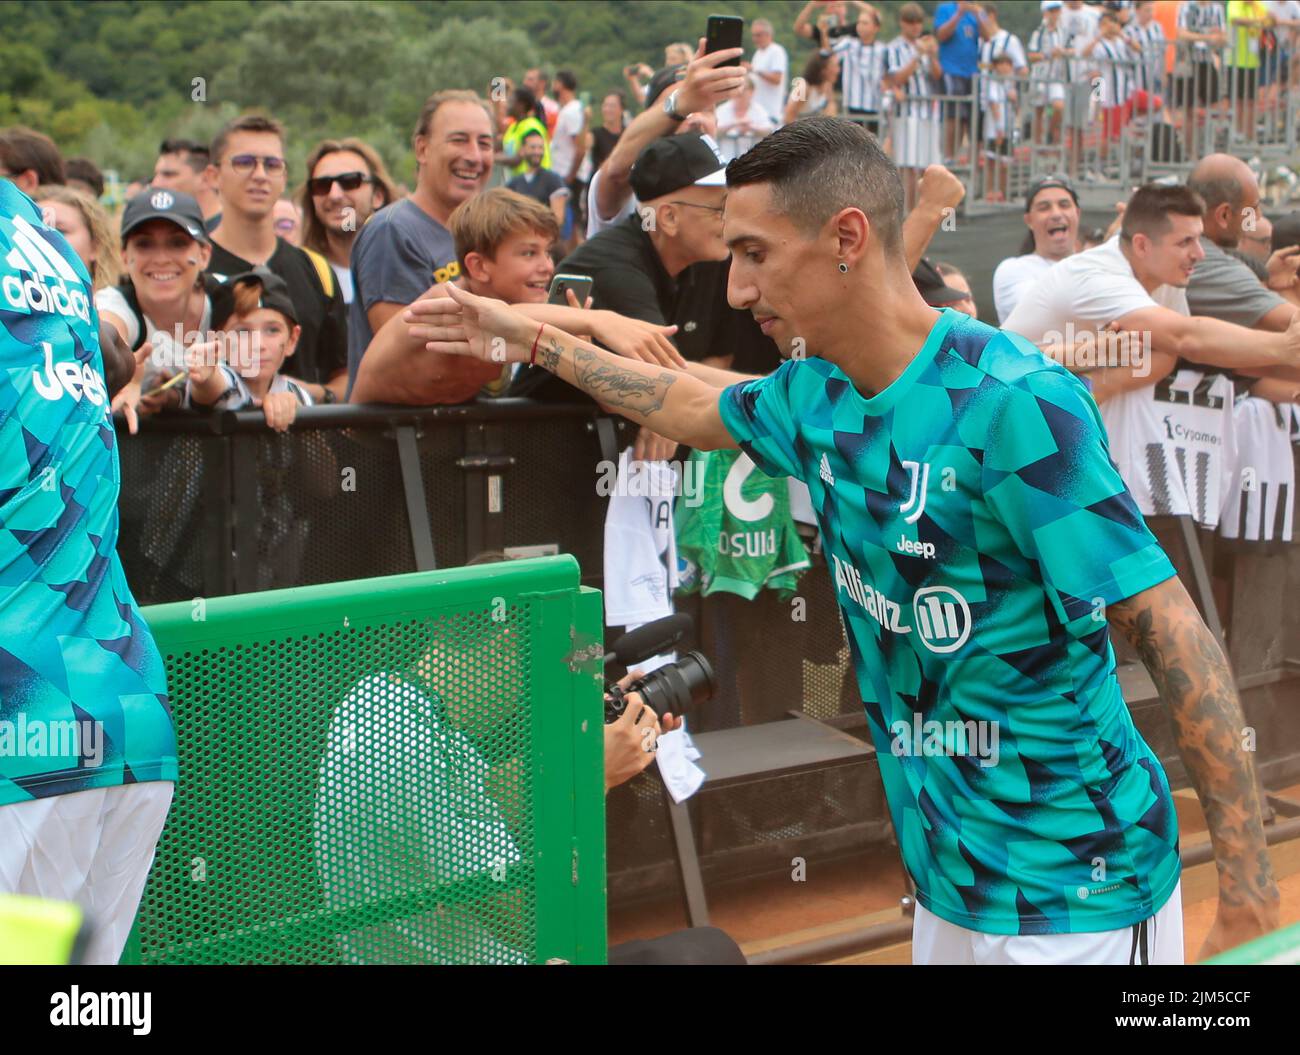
(983,548)
(87,750)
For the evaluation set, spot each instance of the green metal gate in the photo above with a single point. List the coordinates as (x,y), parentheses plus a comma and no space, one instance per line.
(396,770)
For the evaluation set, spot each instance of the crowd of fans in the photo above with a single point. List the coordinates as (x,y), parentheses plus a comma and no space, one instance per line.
(315,291)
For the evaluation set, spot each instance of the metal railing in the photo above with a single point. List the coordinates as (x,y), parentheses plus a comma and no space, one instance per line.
(1115,124)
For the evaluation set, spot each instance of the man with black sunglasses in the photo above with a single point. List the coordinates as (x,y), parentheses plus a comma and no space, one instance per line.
(182,165)
(249,170)
(346,184)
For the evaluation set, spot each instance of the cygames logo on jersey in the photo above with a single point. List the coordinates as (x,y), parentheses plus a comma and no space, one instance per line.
(52,286)
(952,739)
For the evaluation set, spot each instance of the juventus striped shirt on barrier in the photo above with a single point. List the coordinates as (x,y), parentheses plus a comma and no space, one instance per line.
(1151,61)
(975,526)
(1260,502)
(1195,408)
(1003,42)
(862,73)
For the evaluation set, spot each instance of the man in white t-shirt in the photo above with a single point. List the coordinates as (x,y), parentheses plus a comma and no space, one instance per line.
(570,128)
(1136,282)
(1052,216)
(771,68)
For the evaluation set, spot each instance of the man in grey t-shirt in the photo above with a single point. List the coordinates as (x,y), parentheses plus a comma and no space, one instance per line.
(1222,286)
(406,248)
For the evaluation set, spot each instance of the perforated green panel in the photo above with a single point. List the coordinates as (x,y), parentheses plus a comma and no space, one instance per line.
(397,770)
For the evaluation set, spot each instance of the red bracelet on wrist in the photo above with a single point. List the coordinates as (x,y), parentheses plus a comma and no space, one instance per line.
(532,359)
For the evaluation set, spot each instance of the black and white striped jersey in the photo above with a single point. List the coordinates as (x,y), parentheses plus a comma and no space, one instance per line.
(862,72)
(1195,411)
(1114,63)
(1198,17)
(1151,61)
(1260,503)
(1003,42)
(1044,41)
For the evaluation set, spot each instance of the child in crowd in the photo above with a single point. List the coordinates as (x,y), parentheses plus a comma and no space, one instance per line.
(1000,120)
(261,331)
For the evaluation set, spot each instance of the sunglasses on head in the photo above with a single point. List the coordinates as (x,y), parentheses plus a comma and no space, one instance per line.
(319,186)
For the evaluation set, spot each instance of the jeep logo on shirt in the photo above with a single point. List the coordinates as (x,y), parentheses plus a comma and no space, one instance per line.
(75,379)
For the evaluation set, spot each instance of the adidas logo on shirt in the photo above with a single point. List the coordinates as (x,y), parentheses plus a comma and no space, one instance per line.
(47,288)
(825,472)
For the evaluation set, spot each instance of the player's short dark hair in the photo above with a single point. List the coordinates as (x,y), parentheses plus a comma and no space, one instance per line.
(244,123)
(192,153)
(23,148)
(566,78)
(820,165)
(1149,209)
(87,171)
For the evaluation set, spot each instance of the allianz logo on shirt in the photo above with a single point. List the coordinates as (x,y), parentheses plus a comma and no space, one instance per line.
(52,286)
(940,614)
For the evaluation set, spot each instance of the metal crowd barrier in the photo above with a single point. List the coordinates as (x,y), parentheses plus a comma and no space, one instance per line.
(399,770)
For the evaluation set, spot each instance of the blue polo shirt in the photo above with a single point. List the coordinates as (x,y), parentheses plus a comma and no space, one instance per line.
(960,53)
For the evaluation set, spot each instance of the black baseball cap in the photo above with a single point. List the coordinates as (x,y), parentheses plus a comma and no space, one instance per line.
(932,287)
(174,206)
(674,162)
(1057,180)
(661,82)
(275,295)
(1286,231)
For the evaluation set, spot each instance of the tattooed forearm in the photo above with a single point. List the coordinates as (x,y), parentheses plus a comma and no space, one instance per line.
(673,403)
(618,386)
(611,383)
(1194,680)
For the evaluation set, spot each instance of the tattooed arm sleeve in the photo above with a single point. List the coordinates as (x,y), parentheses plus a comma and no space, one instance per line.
(1192,676)
(670,402)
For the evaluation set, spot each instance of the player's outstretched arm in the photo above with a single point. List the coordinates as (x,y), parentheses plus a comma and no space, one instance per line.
(671,402)
(1194,680)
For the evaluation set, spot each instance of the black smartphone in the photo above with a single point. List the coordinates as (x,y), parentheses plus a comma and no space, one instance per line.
(580,284)
(723,32)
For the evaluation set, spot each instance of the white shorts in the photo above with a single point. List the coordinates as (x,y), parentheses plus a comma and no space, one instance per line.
(93,848)
(1158,940)
(916,142)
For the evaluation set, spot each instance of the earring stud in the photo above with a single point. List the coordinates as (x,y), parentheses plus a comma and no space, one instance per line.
(844,268)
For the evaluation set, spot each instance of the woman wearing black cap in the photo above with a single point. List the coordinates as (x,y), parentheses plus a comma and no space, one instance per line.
(164,297)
